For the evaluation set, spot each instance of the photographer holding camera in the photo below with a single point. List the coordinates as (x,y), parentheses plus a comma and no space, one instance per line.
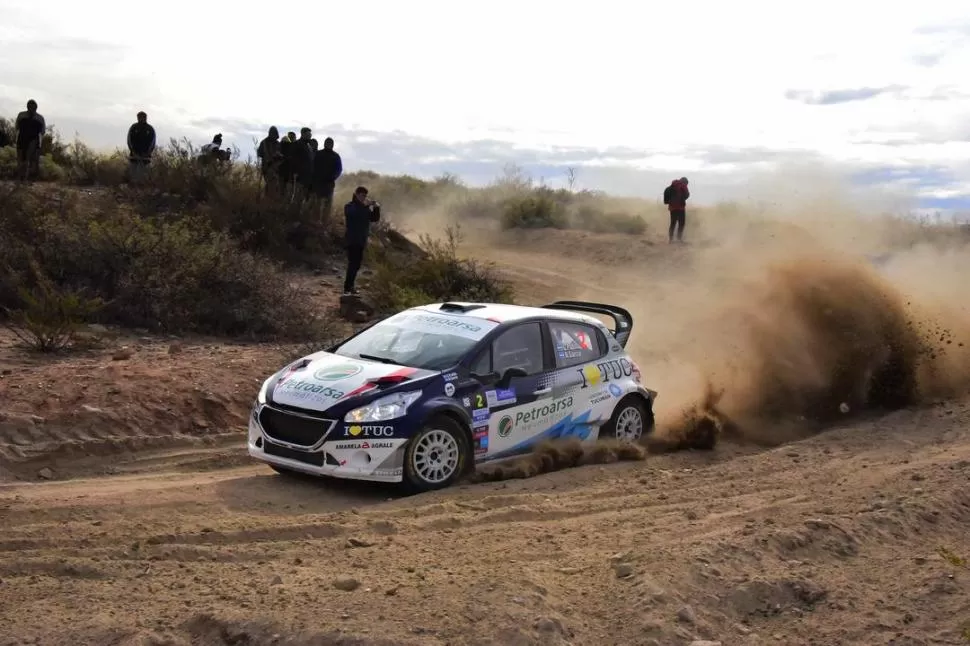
(359,213)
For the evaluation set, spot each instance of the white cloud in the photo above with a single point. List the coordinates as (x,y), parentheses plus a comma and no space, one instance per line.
(670,81)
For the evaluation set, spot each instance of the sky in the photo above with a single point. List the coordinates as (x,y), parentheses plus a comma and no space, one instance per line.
(630,95)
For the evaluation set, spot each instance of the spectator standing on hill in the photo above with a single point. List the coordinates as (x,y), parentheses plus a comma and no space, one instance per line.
(303,163)
(359,213)
(675,197)
(30,127)
(270,157)
(286,164)
(327,168)
(141,147)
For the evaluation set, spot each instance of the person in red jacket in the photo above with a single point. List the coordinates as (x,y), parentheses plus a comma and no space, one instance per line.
(675,197)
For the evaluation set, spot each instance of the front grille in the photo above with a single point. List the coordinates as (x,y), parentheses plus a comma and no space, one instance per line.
(292,428)
(316,459)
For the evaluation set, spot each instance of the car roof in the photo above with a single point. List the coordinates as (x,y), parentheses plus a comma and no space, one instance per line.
(502,313)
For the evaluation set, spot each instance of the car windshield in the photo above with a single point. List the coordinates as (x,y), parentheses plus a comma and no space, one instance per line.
(418,339)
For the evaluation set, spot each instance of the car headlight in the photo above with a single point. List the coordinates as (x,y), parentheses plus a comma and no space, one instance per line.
(383,409)
(261,397)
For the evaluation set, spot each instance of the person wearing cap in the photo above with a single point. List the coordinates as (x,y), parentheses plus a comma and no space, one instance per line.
(359,213)
(675,197)
(30,127)
(141,147)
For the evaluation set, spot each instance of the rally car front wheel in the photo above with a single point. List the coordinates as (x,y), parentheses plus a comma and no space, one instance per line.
(436,456)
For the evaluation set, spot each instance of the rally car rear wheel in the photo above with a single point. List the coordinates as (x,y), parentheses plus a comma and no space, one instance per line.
(630,421)
(436,455)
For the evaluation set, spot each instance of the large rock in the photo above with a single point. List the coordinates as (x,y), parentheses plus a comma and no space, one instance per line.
(355,309)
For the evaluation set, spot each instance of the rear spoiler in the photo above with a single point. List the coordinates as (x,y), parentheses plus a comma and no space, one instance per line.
(621,317)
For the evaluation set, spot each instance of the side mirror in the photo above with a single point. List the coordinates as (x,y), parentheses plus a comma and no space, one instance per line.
(488,379)
(509,375)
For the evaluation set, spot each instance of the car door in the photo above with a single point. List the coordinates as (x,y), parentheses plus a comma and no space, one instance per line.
(578,349)
(521,415)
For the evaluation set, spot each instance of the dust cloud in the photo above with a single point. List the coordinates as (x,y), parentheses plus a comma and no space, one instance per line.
(775,320)
(781,324)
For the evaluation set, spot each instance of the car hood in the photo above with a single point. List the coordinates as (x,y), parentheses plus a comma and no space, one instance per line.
(320,381)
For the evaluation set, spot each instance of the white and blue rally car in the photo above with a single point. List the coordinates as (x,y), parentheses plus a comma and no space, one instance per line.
(423,396)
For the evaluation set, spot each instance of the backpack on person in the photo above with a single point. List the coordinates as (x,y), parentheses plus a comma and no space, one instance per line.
(668,194)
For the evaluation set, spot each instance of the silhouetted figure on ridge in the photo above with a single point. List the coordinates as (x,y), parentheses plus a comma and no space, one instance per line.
(675,197)
(141,147)
(30,127)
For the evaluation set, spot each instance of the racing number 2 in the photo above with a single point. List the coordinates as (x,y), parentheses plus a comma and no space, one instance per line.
(479,400)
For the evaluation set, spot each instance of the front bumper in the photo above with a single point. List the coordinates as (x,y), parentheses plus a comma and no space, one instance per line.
(376,460)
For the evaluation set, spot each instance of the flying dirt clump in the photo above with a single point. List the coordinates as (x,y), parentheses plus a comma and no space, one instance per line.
(805,342)
(556,455)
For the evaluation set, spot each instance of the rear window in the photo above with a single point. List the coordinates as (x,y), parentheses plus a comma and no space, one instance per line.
(576,343)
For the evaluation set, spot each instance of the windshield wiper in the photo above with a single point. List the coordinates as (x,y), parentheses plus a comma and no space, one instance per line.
(372,357)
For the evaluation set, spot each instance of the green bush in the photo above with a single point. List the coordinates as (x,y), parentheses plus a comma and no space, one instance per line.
(535,211)
(49,171)
(590,219)
(439,274)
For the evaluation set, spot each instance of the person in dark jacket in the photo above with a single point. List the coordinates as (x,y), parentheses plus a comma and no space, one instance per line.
(675,197)
(30,127)
(270,158)
(303,163)
(285,168)
(327,169)
(359,213)
(141,147)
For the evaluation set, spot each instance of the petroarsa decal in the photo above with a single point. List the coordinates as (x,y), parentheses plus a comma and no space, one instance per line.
(309,390)
(337,372)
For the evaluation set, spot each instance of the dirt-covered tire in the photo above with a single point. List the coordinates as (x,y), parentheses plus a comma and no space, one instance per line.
(436,456)
(631,421)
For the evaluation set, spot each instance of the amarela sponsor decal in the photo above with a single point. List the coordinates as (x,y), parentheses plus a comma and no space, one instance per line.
(346,446)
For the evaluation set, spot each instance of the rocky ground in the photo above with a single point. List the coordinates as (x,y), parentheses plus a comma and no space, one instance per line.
(132,516)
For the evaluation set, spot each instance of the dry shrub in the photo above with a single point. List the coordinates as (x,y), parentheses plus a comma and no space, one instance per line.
(437,274)
(174,275)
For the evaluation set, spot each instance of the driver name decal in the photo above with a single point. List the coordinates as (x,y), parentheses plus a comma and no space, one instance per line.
(502,396)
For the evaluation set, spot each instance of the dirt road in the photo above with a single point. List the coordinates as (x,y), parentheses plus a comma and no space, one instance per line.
(854,536)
